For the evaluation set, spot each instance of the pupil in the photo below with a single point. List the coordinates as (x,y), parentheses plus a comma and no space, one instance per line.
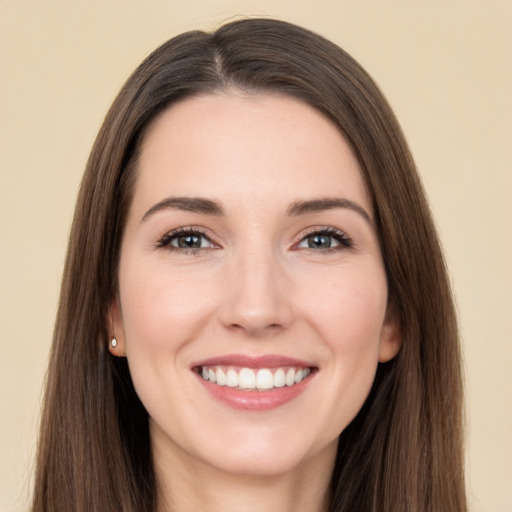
(189,241)
(319,241)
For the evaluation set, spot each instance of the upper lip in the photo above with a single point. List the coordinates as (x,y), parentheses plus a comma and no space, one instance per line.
(250,361)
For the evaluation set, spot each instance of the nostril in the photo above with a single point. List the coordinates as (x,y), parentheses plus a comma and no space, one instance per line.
(253,328)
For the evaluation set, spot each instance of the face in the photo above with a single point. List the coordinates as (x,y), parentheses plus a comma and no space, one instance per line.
(252,301)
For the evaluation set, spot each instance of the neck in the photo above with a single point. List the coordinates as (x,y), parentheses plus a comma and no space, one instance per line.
(193,485)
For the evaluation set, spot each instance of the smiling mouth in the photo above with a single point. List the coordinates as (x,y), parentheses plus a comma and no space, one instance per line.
(251,379)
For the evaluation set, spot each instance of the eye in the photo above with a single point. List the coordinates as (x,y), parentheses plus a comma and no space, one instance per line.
(325,239)
(318,241)
(186,240)
(189,241)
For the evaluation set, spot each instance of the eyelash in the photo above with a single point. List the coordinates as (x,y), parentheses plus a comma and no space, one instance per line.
(344,241)
(167,239)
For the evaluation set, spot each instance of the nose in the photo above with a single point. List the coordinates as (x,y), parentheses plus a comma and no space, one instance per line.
(258,295)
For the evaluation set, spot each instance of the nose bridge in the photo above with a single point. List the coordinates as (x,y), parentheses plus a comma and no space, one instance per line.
(256,298)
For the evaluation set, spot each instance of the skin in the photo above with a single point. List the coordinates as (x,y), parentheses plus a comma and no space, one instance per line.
(255,287)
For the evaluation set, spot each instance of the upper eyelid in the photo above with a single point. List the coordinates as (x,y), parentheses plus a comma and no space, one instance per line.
(331,230)
(320,228)
(187,229)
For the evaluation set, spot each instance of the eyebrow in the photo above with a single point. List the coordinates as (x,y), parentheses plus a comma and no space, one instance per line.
(327,203)
(209,207)
(189,204)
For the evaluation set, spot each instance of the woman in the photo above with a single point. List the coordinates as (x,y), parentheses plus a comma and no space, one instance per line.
(255,312)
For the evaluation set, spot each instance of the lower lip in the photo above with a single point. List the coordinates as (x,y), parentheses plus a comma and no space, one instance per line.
(255,400)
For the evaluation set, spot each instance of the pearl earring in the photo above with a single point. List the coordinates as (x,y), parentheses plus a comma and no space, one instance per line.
(114,343)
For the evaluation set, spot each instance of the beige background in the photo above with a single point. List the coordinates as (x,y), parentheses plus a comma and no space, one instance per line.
(446,67)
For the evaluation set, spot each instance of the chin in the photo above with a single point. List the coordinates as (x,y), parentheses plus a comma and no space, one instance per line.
(261,464)
(261,456)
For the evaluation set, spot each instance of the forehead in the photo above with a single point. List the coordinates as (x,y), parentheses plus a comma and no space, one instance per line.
(246,148)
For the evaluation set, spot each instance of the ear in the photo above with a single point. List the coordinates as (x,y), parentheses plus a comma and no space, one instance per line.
(116,330)
(390,336)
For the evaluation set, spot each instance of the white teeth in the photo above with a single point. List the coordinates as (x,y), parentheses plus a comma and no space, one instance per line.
(231,378)
(289,379)
(279,378)
(248,379)
(302,374)
(264,379)
(221,377)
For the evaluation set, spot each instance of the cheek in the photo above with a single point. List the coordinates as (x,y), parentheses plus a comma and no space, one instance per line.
(161,309)
(346,318)
(350,312)
(350,318)
(162,312)
(353,320)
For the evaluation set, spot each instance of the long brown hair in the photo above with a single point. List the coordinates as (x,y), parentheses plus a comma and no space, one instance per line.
(403,451)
